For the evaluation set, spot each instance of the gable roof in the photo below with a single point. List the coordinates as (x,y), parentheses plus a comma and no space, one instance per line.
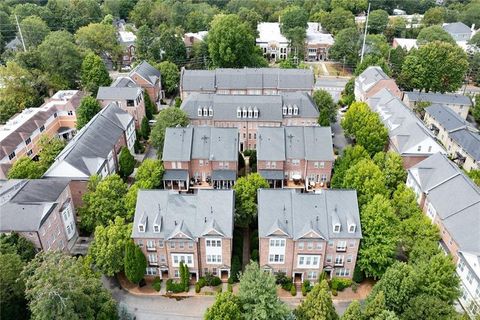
(369,78)
(147,72)
(190,214)
(440,98)
(118,93)
(456,28)
(300,213)
(433,171)
(469,141)
(306,142)
(446,117)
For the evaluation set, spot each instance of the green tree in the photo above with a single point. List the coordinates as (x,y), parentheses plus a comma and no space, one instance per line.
(417,226)
(375,307)
(372,60)
(380,236)
(119,8)
(471,14)
(14,243)
(25,168)
(150,173)
(145,128)
(476,109)
(422,71)
(396,28)
(293,25)
(355,6)
(12,289)
(231,43)
(143,43)
(100,38)
(170,76)
(257,294)
(49,150)
(89,107)
(434,33)
(225,307)
(134,262)
(169,46)
(434,16)
(59,287)
(167,118)
(391,163)
(72,15)
(346,46)
(397,56)
(351,156)
(475,175)
(246,198)
(94,74)
(426,307)
(326,106)
(126,162)
(60,59)
(317,305)
(34,30)
(405,202)
(103,201)
(377,21)
(353,312)
(251,17)
(337,20)
(108,247)
(150,108)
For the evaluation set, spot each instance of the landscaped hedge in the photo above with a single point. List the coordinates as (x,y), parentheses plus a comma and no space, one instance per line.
(340,283)
(285,282)
(306,287)
(175,287)
(157,284)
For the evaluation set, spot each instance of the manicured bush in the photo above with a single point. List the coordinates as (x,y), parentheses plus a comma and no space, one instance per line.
(157,284)
(358,275)
(230,280)
(175,287)
(306,287)
(334,292)
(197,288)
(293,290)
(284,281)
(184,276)
(354,286)
(212,280)
(229,287)
(201,282)
(340,283)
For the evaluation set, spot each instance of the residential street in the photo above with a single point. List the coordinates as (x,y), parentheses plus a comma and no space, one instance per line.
(339,139)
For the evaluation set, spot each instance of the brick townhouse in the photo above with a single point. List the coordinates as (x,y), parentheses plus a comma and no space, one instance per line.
(95,149)
(371,81)
(194,228)
(40,211)
(129,99)
(246,81)
(295,157)
(304,234)
(459,103)
(200,157)
(248,112)
(19,137)
(452,201)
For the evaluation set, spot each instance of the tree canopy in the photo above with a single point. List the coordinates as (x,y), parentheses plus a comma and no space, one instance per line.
(317,305)
(246,198)
(377,21)
(12,288)
(170,76)
(34,30)
(167,118)
(134,262)
(225,307)
(346,47)
(434,33)
(89,107)
(94,73)
(126,163)
(326,107)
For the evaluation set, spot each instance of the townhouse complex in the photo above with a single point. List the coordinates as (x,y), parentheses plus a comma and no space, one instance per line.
(304,234)
(452,201)
(200,157)
(20,135)
(459,104)
(295,157)
(371,81)
(197,229)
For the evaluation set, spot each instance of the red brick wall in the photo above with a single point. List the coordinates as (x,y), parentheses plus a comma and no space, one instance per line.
(262,164)
(78,189)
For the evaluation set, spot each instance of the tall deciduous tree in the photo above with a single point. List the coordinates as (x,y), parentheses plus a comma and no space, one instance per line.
(231,43)
(434,33)
(377,21)
(225,307)
(326,106)
(12,289)
(150,173)
(392,166)
(170,117)
(145,128)
(434,16)
(126,162)
(351,156)
(59,287)
(170,76)
(353,312)
(34,30)
(426,307)
(293,24)
(108,248)
(14,243)
(94,74)
(103,202)
(134,262)
(88,108)
(337,20)
(422,71)
(380,236)
(169,46)
(25,168)
(367,179)
(257,293)
(246,197)
(100,38)
(346,46)
(317,305)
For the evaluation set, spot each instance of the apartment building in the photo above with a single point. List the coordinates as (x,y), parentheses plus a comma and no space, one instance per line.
(129,99)
(249,112)
(371,81)
(408,136)
(459,31)
(40,211)
(246,81)
(95,149)
(200,157)
(305,234)
(295,157)
(19,137)
(459,104)
(452,201)
(461,141)
(196,228)
(145,76)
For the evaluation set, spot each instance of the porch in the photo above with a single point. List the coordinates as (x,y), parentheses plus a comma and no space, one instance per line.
(273,177)
(223,179)
(175,179)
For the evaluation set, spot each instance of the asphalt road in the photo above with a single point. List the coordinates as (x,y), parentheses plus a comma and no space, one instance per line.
(339,139)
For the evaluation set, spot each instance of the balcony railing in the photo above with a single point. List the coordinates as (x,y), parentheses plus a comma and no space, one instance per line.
(341,249)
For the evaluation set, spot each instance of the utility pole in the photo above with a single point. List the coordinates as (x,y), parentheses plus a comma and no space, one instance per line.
(21,35)
(365,34)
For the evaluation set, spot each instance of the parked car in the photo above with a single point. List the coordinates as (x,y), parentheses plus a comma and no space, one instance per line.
(343,109)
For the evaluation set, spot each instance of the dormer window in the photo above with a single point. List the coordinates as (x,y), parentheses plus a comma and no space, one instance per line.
(156,228)
(141,228)
(336,228)
(295,110)
(290,110)
(239,113)
(250,112)
(205,111)
(284,110)
(210,112)
(199,112)
(351,228)
(244,112)
(255,112)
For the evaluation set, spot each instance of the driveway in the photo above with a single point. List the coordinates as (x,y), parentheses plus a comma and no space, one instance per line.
(333,85)
(340,142)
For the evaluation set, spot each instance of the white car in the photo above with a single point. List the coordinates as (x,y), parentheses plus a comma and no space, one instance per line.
(344,109)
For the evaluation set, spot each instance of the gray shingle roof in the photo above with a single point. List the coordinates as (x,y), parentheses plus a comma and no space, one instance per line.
(147,72)
(89,149)
(309,143)
(445,116)
(175,174)
(122,82)
(118,93)
(468,140)
(297,213)
(457,28)
(441,98)
(195,213)
(369,77)
(262,78)
(219,175)
(433,170)
(271,174)
(269,106)
(185,144)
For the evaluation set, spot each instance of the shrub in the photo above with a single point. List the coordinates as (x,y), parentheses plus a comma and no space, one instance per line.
(157,284)
(358,275)
(212,280)
(229,287)
(306,287)
(175,287)
(219,290)
(293,290)
(236,267)
(230,280)
(197,287)
(284,281)
(340,283)
(201,282)
(334,292)
(354,286)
